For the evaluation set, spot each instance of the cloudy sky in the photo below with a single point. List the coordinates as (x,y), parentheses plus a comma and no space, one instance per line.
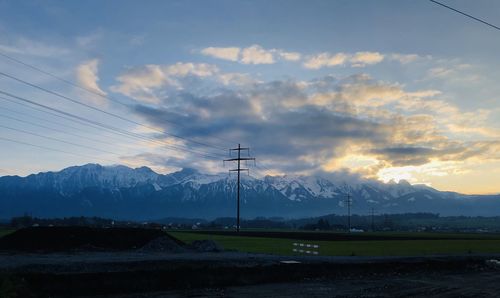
(379,89)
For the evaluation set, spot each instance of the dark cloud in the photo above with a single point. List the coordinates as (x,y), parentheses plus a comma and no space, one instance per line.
(403,156)
(300,136)
(402,151)
(289,139)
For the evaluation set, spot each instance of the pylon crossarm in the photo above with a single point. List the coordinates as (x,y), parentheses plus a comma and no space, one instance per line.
(239,149)
(232,159)
(242,158)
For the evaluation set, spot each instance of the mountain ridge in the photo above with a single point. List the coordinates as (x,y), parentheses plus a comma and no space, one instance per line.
(140,193)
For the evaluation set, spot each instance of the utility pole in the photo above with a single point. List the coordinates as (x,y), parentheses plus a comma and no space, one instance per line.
(239,169)
(372,211)
(348,202)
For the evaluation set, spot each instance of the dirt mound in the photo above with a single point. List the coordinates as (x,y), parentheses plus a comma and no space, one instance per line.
(206,246)
(163,244)
(47,239)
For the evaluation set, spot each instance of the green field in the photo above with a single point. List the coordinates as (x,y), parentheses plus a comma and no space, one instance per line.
(5,231)
(436,243)
(474,243)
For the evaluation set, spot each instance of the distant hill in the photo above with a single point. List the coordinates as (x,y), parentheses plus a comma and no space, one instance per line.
(141,194)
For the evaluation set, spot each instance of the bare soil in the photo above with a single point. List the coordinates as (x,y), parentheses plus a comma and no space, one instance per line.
(121,270)
(53,239)
(134,274)
(479,284)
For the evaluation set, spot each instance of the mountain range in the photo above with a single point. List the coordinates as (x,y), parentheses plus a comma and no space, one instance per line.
(141,194)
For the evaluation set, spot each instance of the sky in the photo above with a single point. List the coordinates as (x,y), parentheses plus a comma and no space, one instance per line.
(387,90)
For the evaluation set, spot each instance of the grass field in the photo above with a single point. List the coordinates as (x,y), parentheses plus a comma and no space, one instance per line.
(420,243)
(470,243)
(5,231)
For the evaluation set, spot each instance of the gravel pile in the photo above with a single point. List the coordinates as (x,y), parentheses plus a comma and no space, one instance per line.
(162,244)
(53,239)
(206,246)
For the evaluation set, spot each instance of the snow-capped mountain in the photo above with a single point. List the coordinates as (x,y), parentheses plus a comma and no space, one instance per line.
(73,179)
(123,192)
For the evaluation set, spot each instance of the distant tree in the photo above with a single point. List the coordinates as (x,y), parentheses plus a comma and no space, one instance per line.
(322,224)
(22,221)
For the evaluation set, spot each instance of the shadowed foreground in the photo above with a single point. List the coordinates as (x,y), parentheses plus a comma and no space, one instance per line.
(417,285)
(84,262)
(134,274)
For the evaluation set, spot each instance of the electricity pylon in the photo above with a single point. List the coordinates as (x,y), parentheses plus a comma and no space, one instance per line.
(348,202)
(239,169)
(372,212)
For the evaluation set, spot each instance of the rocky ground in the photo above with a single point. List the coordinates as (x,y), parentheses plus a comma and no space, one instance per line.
(159,266)
(191,274)
(484,284)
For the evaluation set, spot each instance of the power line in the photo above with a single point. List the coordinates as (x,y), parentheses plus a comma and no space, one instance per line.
(74,120)
(67,142)
(97,125)
(61,79)
(57,150)
(56,139)
(465,14)
(92,122)
(94,92)
(65,125)
(105,112)
(35,117)
(259,173)
(262,167)
(111,128)
(56,129)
